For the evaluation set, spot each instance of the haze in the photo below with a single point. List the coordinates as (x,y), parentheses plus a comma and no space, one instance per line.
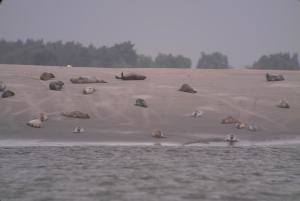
(241,29)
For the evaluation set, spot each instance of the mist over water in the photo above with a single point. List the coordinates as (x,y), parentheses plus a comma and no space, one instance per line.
(150,173)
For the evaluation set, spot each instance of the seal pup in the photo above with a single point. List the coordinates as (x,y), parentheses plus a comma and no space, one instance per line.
(88,90)
(35,123)
(252,128)
(78,129)
(283,104)
(230,120)
(240,125)
(231,138)
(197,114)
(141,103)
(157,133)
(187,88)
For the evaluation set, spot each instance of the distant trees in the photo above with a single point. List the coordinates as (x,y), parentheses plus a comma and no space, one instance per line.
(164,61)
(215,60)
(144,61)
(170,61)
(278,61)
(37,52)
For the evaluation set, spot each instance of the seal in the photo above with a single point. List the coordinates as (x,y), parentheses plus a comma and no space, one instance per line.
(46,76)
(231,138)
(187,88)
(76,114)
(131,76)
(141,103)
(197,114)
(157,133)
(35,123)
(56,85)
(78,129)
(85,80)
(283,104)
(88,90)
(271,78)
(7,93)
(230,120)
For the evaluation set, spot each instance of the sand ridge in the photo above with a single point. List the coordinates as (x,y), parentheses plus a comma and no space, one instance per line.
(244,94)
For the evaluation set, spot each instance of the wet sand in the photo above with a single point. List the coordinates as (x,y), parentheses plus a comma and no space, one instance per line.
(244,94)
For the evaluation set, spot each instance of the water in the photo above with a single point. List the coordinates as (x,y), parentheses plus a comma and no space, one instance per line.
(150,173)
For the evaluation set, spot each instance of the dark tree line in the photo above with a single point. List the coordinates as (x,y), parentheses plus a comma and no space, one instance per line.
(168,60)
(215,60)
(37,52)
(279,61)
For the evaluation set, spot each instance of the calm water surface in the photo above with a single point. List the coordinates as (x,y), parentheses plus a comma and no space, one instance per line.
(150,173)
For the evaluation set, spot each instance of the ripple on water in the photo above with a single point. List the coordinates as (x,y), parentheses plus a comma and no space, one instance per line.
(150,173)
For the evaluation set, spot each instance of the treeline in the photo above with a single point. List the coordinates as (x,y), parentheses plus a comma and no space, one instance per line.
(38,52)
(279,61)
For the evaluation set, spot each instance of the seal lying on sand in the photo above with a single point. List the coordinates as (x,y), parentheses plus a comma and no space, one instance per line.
(131,76)
(86,80)
(197,114)
(56,85)
(230,120)
(252,128)
(76,114)
(46,76)
(35,123)
(158,134)
(88,90)
(283,104)
(141,103)
(187,88)
(240,125)
(78,129)
(7,94)
(231,138)
(270,77)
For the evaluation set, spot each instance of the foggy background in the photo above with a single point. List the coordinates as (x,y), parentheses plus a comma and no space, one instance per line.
(242,29)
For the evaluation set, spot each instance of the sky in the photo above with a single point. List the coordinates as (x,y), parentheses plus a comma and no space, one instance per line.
(241,29)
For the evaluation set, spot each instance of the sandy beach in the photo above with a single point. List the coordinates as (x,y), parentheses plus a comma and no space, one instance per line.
(243,94)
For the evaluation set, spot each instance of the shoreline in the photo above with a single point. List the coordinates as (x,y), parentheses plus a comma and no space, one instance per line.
(59,143)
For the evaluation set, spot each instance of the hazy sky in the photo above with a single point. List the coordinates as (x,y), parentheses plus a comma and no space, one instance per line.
(241,29)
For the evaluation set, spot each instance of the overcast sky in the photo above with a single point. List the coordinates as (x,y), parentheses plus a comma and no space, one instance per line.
(241,29)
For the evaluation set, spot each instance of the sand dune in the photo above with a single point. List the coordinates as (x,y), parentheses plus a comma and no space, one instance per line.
(244,94)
